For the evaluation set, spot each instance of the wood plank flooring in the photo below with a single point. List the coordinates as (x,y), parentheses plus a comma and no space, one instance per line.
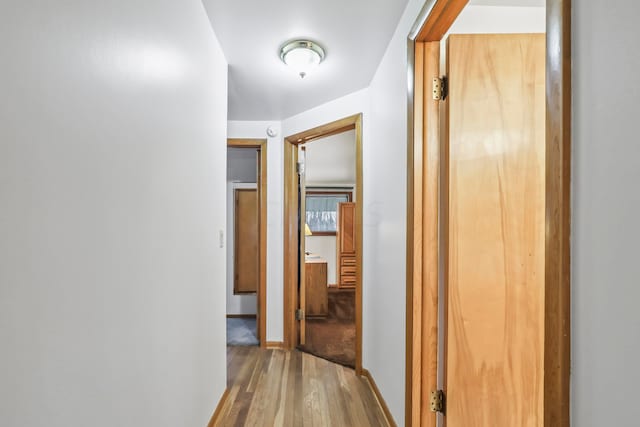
(291,388)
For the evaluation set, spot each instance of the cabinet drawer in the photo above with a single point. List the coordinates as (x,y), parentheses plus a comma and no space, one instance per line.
(348,270)
(348,261)
(348,280)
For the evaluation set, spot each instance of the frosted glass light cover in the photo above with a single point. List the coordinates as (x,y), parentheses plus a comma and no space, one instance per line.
(302,55)
(302,59)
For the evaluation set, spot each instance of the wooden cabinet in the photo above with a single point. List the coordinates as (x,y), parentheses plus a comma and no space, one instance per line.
(316,292)
(346,245)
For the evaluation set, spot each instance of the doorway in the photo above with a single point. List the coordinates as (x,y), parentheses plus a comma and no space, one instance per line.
(246,248)
(302,270)
(462,195)
(328,186)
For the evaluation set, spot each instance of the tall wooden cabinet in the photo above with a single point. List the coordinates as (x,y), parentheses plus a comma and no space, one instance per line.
(346,245)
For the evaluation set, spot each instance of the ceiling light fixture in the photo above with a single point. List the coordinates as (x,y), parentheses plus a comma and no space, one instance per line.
(302,55)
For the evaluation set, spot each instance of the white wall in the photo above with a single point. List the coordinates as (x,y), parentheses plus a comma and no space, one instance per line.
(112,175)
(275,262)
(340,108)
(236,304)
(331,161)
(325,246)
(606,201)
(385,176)
(242,164)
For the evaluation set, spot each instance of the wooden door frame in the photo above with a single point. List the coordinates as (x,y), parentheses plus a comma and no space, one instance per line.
(261,146)
(291,272)
(423,185)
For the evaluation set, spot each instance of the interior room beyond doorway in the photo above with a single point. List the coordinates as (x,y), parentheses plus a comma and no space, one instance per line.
(329,191)
(246,252)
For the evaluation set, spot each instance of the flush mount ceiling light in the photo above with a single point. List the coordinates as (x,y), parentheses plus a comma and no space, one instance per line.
(302,55)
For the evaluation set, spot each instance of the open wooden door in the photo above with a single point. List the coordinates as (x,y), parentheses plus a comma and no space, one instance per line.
(260,194)
(302,325)
(494,230)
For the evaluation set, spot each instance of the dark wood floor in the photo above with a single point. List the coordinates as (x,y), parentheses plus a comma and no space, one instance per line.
(291,388)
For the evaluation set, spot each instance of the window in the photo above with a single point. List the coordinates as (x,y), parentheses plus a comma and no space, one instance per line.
(322,210)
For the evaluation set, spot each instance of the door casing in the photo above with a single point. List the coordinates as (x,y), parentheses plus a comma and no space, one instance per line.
(423,241)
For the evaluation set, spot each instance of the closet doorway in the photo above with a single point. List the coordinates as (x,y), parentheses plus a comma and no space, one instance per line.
(247,241)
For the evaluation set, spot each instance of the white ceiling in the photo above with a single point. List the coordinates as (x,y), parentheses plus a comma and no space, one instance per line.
(354,33)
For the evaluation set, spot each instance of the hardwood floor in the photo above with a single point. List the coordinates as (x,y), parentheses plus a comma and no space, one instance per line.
(291,388)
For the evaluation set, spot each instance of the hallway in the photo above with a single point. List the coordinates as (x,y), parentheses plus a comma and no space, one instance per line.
(291,388)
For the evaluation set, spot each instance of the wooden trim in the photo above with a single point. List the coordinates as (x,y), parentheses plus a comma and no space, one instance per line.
(557,339)
(261,145)
(333,128)
(381,401)
(433,22)
(359,236)
(275,345)
(246,142)
(441,15)
(290,225)
(413,356)
(241,316)
(218,411)
(423,243)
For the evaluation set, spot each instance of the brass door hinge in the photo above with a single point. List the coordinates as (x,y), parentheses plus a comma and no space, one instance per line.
(440,88)
(299,314)
(437,401)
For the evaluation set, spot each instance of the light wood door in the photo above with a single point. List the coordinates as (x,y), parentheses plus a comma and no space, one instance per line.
(261,225)
(246,241)
(302,197)
(494,181)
